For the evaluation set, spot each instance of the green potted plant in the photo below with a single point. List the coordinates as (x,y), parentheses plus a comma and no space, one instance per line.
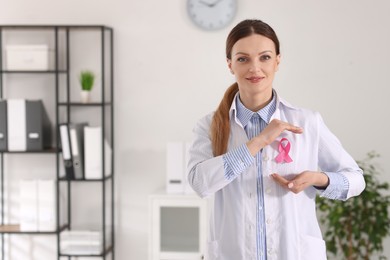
(87,79)
(356,228)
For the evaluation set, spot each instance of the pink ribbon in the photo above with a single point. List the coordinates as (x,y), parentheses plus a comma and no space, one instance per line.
(283,152)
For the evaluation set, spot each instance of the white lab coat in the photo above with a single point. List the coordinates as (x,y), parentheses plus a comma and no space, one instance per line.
(292,230)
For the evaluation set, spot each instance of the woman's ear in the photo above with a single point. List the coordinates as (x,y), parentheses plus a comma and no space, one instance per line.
(229,62)
(278,57)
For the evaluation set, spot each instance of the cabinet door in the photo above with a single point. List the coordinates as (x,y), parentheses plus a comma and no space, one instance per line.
(178,228)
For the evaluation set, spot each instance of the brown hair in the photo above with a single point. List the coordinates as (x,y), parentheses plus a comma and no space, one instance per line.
(220,125)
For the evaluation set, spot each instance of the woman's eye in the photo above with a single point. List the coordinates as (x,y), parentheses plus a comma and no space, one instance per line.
(242,59)
(265,57)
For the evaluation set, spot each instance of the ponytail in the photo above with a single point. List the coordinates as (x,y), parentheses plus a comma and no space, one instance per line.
(220,126)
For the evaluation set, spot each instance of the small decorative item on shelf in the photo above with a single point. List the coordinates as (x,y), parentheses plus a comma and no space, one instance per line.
(86,80)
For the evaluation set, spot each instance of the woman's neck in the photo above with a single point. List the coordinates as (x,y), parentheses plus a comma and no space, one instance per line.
(256,102)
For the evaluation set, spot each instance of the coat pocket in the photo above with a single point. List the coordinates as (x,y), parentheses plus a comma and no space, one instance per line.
(312,248)
(212,250)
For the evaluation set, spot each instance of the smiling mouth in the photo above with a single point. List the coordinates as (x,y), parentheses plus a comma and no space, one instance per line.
(255,79)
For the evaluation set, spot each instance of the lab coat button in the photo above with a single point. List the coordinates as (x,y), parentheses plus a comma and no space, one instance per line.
(265,158)
(270,251)
(268,221)
(268,191)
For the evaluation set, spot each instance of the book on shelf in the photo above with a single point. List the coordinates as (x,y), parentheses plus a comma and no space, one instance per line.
(94,154)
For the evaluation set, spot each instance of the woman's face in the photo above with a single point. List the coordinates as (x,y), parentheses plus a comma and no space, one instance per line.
(254,62)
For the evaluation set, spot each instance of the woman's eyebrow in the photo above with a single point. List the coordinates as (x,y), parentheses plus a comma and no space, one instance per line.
(244,53)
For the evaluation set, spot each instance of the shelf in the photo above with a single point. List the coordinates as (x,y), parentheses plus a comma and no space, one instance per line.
(108,250)
(51,150)
(91,104)
(15,229)
(32,71)
(59,77)
(87,180)
(59,26)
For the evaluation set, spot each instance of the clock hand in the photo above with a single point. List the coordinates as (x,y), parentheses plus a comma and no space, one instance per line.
(215,3)
(207,4)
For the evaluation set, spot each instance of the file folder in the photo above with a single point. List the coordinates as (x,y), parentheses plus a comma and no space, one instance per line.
(66,151)
(72,140)
(76,134)
(3,126)
(16,125)
(38,127)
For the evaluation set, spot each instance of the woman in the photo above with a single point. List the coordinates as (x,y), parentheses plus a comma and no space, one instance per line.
(259,157)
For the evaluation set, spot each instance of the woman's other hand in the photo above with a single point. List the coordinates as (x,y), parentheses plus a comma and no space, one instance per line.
(269,134)
(302,181)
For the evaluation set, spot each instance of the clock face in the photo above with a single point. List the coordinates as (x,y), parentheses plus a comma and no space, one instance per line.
(211,14)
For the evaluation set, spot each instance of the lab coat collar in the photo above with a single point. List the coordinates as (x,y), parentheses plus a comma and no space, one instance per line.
(279,103)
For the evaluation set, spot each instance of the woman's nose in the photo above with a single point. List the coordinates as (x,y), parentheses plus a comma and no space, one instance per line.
(254,67)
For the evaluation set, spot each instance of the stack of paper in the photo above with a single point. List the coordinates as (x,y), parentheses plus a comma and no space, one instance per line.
(81,242)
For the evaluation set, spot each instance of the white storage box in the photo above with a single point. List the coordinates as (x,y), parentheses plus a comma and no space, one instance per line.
(27,57)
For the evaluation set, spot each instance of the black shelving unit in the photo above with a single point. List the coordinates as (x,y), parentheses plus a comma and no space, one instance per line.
(66,107)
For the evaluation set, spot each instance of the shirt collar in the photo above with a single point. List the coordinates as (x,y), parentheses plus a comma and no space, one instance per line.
(244,114)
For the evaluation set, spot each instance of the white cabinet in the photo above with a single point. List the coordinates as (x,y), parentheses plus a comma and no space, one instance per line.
(178,226)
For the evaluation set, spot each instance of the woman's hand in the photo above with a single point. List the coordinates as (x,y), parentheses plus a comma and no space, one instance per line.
(269,134)
(303,180)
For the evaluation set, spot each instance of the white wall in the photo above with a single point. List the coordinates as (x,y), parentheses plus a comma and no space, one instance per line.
(168,74)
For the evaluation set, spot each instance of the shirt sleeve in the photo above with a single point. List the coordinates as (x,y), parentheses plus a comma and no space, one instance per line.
(207,173)
(337,188)
(236,161)
(345,177)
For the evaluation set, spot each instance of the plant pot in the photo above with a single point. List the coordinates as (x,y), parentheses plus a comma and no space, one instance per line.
(85,96)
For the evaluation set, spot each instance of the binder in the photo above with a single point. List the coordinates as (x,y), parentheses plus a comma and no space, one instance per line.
(76,134)
(66,151)
(3,126)
(16,124)
(27,124)
(38,127)
(72,139)
(93,154)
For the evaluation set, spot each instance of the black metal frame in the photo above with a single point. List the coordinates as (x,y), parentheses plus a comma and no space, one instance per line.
(68,105)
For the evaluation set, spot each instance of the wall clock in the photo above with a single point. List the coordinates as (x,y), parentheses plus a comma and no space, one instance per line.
(211,14)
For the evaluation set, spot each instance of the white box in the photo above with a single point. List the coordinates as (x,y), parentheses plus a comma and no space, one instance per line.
(27,57)
(175,167)
(28,205)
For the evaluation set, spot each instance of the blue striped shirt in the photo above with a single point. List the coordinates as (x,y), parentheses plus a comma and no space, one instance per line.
(253,123)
